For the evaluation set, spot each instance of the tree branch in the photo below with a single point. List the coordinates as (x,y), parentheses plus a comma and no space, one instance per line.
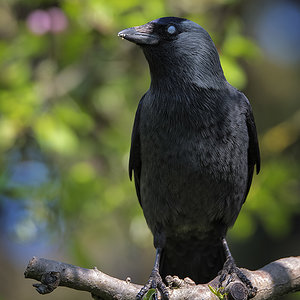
(275,279)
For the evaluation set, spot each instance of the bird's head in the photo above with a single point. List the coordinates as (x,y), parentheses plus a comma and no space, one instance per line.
(177,47)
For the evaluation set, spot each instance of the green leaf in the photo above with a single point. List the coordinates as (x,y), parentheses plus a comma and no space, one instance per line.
(218,292)
(150,294)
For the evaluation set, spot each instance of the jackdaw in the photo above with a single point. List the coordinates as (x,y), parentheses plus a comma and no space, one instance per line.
(193,151)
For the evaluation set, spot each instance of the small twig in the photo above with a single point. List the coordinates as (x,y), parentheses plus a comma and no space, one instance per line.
(275,279)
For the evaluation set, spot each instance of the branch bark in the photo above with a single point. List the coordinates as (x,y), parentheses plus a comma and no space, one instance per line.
(272,281)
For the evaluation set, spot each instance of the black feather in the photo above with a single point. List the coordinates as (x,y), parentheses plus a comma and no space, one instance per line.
(193,150)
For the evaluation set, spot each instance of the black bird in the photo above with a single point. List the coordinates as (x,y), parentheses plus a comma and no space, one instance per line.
(193,151)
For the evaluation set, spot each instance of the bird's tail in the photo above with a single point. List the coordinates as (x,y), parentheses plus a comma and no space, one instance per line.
(200,260)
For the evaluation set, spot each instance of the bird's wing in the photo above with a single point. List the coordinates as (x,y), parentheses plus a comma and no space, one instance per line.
(135,162)
(253,149)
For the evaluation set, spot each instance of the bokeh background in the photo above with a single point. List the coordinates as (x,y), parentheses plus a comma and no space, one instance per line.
(69,88)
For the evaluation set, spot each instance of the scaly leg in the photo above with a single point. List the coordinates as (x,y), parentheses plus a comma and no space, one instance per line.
(155,280)
(230,268)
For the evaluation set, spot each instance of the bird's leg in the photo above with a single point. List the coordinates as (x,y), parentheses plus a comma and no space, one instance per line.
(155,280)
(230,268)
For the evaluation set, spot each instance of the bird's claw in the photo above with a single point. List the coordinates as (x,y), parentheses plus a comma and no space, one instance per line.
(154,282)
(230,268)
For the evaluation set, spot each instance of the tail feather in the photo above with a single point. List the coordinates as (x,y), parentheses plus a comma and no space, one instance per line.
(199,260)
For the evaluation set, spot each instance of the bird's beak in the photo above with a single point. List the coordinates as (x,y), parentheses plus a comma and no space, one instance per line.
(141,35)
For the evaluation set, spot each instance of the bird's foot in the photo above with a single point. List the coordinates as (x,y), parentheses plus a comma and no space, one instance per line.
(229,269)
(154,282)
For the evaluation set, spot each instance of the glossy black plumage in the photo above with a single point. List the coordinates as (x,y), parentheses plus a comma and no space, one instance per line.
(193,150)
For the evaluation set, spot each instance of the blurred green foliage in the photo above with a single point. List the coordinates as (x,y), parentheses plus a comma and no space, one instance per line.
(67,101)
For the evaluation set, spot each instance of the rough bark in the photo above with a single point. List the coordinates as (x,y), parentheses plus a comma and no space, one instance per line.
(272,281)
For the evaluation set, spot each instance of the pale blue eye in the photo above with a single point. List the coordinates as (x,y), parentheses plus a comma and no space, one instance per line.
(171,29)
